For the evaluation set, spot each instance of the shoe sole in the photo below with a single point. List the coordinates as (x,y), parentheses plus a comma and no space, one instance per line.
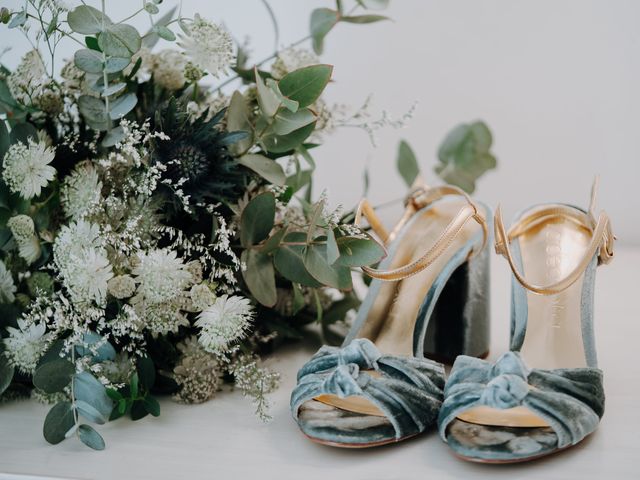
(359,445)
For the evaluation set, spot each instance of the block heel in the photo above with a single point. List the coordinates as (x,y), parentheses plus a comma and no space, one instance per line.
(460,321)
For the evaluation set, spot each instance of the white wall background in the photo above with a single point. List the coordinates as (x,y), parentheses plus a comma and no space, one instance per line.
(557,81)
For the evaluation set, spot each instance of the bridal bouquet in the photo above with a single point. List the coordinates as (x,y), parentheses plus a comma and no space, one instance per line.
(156,233)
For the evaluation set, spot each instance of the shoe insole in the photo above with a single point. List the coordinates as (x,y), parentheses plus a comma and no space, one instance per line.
(392,318)
(553,337)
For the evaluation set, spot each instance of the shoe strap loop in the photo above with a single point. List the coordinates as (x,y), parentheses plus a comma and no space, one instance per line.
(419,198)
(602,240)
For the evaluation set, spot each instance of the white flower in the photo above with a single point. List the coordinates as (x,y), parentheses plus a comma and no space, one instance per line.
(168,69)
(7,287)
(87,274)
(23,230)
(27,169)
(224,322)
(80,191)
(208,45)
(28,79)
(25,345)
(161,276)
(292,59)
(72,237)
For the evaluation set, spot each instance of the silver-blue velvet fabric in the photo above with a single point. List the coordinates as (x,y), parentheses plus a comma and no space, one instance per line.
(408,390)
(570,400)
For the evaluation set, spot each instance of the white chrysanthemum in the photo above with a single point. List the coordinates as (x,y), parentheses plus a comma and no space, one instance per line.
(292,59)
(167,67)
(25,345)
(7,287)
(81,190)
(161,276)
(87,274)
(27,80)
(72,237)
(26,168)
(224,322)
(201,297)
(208,45)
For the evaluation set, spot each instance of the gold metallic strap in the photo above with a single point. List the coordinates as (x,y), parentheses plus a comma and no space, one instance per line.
(602,240)
(417,200)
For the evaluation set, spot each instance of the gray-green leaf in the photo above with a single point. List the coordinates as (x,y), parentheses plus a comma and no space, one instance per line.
(238,120)
(90,413)
(88,389)
(317,264)
(53,376)
(6,370)
(322,21)
(259,276)
(287,121)
(363,19)
(123,105)
(267,99)
(306,84)
(465,155)
(119,40)
(88,60)
(58,422)
(407,163)
(87,20)
(357,252)
(257,219)
(289,260)
(283,143)
(90,437)
(94,112)
(265,167)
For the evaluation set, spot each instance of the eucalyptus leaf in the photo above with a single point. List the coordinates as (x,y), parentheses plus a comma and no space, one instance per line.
(6,370)
(357,252)
(90,413)
(332,247)
(58,422)
(364,19)
(113,136)
(286,102)
(113,88)
(119,40)
(90,437)
(88,389)
(238,118)
(87,20)
(265,167)
(53,376)
(123,105)
(259,276)
(92,43)
(274,143)
(317,264)
(94,112)
(407,163)
(164,33)
(257,219)
(96,347)
(268,101)
(273,241)
(465,155)
(151,8)
(321,23)
(289,260)
(18,19)
(88,60)
(287,121)
(146,372)
(151,37)
(116,64)
(306,84)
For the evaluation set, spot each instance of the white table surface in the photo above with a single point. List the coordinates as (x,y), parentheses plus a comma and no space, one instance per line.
(222,439)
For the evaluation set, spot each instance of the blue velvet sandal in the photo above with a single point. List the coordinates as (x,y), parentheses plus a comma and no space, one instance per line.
(428,297)
(511,411)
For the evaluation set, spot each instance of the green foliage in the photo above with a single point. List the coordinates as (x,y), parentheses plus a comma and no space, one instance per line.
(465,155)
(6,370)
(90,437)
(257,219)
(407,163)
(58,422)
(135,398)
(305,85)
(54,376)
(267,168)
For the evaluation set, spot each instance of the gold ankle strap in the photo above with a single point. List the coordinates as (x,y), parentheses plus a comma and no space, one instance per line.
(419,198)
(602,240)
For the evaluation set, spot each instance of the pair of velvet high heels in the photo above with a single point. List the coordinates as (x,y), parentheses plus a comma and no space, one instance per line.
(430,298)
